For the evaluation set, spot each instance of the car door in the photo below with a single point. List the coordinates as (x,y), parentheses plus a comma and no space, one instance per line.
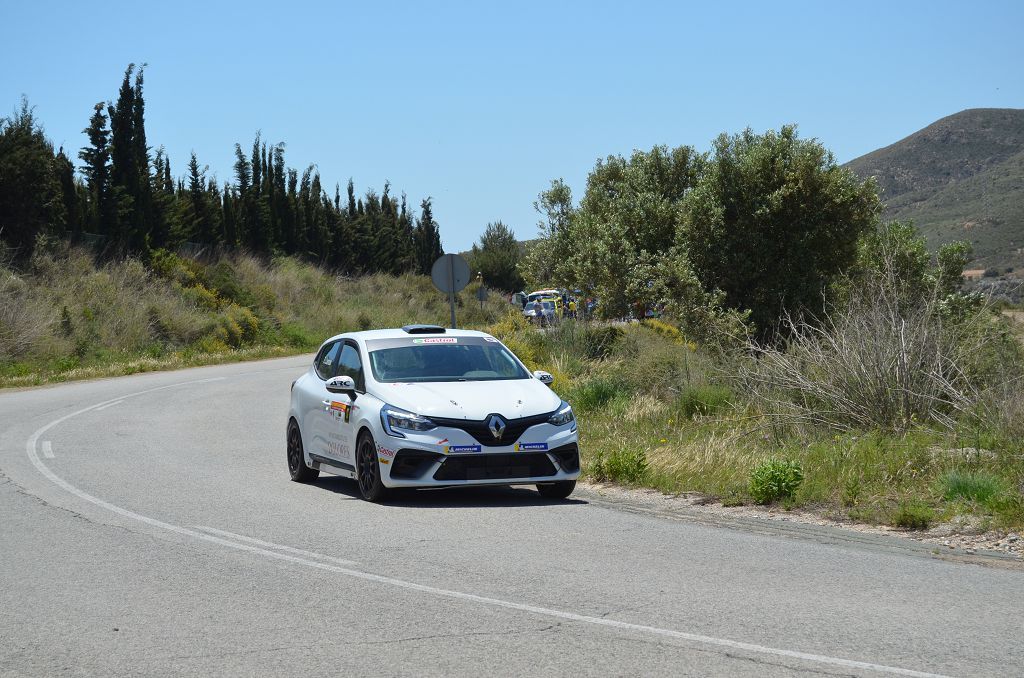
(316,417)
(342,408)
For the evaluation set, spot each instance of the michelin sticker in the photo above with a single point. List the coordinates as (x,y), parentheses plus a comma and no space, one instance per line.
(524,447)
(455,449)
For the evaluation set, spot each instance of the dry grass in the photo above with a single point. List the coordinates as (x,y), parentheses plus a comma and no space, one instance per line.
(877,363)
(67,317)
(714,459)
(24,319)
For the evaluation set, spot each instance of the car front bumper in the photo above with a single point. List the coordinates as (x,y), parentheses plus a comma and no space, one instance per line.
(447,457)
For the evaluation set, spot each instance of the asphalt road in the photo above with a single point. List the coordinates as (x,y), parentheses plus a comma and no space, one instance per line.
(149,528)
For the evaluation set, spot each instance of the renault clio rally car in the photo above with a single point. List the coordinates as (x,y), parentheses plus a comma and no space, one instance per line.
(423,406)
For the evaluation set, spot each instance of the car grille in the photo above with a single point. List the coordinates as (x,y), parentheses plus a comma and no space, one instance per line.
(496,467)
(514,428)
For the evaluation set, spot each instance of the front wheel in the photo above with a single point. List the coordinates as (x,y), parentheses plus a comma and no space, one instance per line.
(368,470)
(297,468)
(558,490)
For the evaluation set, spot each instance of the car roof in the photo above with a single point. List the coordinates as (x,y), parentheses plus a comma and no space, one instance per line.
(398,333)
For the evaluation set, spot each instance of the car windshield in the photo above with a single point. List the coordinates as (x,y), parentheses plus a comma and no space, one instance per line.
(456,359)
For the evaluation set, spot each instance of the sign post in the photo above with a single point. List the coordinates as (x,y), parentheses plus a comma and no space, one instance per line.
(450,274)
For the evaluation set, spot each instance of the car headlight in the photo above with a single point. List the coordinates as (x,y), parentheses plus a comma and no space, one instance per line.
(563,416)
(394,420)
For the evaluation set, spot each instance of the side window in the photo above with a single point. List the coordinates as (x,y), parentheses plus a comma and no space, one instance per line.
(327,359)
(350,365)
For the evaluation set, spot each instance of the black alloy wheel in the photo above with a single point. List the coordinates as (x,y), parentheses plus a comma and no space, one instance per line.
(297,468)
(368,470)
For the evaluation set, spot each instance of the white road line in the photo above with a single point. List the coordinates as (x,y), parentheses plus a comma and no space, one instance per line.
(103,407)
(47,449)
(30,449)
(272,545)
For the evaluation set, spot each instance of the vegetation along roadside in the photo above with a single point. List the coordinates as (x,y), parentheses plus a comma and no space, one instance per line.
(807,354)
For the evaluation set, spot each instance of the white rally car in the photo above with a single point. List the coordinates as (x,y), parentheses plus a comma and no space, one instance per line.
(423,406)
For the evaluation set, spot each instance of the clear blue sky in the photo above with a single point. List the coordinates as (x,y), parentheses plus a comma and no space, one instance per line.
(479,105)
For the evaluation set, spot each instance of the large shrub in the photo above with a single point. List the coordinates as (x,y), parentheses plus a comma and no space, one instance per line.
(902,348)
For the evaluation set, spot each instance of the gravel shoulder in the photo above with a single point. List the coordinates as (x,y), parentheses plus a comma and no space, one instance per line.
(961,540)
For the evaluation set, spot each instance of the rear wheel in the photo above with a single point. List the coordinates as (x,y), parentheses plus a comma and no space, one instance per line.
(368,470)
(297,468)
(559,490)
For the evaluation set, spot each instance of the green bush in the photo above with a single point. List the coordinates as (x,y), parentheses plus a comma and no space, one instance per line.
(222,279)
(913,515)
(775,479)
(298,336)
(594,394)
(979,486)
(704,400)
(663,368)
(593,342)
(621,466)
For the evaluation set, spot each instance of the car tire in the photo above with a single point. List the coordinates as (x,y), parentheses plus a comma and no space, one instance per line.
(297,468)
(557,490)
(368,470)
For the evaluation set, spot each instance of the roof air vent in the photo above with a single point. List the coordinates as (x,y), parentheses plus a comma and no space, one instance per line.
(423,329)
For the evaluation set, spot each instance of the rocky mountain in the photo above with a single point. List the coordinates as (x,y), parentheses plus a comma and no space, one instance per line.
(960,178)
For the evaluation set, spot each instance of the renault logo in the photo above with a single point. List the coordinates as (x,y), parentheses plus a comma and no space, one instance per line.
(497,426)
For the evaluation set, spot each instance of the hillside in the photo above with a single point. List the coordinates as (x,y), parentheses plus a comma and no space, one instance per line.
(960,178)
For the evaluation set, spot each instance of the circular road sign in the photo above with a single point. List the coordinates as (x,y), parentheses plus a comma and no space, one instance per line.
(450,273)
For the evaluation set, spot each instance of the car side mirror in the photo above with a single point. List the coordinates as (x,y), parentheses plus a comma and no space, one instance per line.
(543,377)
(342,384)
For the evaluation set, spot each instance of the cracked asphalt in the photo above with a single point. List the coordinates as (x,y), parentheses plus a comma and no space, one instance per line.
(111,564)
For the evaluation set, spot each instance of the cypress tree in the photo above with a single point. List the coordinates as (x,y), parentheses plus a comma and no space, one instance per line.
(373,243)
(428,239)
(387,236)
(69,196)
(295,242)
(242,173)
(164,203)
(200,224)
(211,205)
(318,219)
(228,219)
(406,262)
(96,157)
(124,172)
(30,191)
(243,208)
(144,219)
(168,183)
(351,200)
(307,234)
(257,166)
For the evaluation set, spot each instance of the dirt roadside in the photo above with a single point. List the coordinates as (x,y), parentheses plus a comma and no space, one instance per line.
(960,540)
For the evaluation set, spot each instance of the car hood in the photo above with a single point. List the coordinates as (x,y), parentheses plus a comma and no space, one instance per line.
(512,398)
